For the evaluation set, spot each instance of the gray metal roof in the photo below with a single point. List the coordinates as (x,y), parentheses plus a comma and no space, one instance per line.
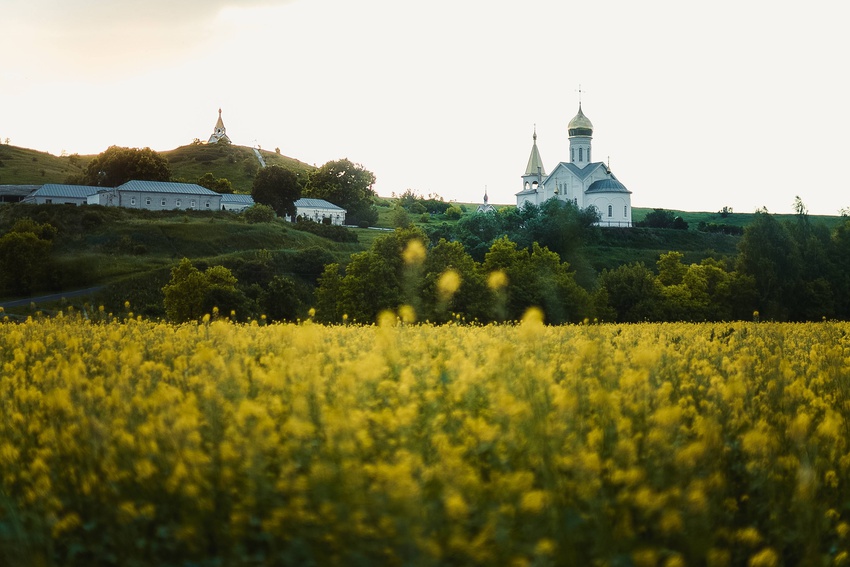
(317,204)
(166,187)
(18,190)
(607,186)
(580,172)
(236,198)
(65,191)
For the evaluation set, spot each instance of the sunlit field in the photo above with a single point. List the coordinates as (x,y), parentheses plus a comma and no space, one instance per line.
(214,444)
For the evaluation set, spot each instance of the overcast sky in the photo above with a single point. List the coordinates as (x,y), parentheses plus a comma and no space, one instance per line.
(695,105)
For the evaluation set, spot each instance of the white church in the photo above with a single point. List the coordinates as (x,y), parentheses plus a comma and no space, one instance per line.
(580,180)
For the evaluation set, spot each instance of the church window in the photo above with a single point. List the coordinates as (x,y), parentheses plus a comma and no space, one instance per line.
(610,211)
(581,154)
(625,210)
(148,201)
(208,204)
(588,154)
(572,154)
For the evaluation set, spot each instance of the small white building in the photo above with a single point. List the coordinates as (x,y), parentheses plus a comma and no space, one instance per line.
(158,196)
(317,210)
(58,194)
(236,202)
(219,131)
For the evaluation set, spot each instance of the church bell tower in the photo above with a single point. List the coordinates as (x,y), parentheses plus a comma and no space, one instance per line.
(581,132)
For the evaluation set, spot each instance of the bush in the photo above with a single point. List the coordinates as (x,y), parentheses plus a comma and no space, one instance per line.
(454,212)
(258,213)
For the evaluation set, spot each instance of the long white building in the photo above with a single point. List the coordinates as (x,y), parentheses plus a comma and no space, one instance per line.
(580,180)
(158,196)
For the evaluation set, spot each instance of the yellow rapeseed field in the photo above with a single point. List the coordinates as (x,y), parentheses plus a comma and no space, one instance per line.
(143,443)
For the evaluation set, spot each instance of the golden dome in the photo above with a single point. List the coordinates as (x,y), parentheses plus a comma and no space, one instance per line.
(580,125)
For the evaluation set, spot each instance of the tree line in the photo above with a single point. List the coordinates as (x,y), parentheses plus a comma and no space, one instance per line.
(788,271)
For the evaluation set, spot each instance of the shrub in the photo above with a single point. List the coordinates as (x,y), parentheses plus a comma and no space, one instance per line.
(258,213)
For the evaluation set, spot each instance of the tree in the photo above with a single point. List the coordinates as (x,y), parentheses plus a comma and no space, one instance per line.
(219,185)
(118,165)
(537,278)
(347,185)
(659,218)
(633,292)
(190,294)
(471,298)
(280,301)
(24,260)
(769,254)
(258,213)
(278,188)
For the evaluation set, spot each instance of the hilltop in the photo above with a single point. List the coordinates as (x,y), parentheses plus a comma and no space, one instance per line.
(238,164)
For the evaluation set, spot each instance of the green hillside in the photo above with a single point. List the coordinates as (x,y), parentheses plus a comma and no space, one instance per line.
(129,253)
(22,166)
(238,164)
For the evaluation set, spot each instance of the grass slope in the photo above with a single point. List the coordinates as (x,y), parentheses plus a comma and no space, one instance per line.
(238,164)
(22,166)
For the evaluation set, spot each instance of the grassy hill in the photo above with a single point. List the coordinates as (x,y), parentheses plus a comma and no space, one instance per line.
(239,164)
(130,253)
(22,166)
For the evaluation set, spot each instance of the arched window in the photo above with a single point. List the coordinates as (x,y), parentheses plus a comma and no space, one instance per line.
(625,210)
(572,154)
(581,154)
(610,210)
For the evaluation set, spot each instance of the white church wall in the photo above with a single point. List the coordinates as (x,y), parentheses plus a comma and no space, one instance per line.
(620,208)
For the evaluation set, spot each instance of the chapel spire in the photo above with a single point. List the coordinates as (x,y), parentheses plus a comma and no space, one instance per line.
(219,132)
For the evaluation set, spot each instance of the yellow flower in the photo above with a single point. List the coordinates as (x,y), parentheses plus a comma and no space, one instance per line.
(448,284)
(414,254)
(497,280)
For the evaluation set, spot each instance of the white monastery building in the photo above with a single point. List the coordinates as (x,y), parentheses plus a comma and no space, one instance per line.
(58,194)
(157,196)
(580,180)
(317,210)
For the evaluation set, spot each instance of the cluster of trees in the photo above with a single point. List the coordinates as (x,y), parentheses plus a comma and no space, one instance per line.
(278,286)
(443,282)
(783,271)
(118,165)
(341,182)
(560,226)
(25,256)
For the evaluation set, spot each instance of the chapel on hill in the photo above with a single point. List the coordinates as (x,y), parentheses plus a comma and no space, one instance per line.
(580,180)
(219,132)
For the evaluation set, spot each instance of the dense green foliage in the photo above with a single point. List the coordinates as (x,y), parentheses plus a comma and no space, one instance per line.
(25,255)
(117,165)
(278,188)
(347,185)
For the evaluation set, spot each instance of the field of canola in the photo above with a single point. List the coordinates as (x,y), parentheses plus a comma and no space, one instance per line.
(216,444)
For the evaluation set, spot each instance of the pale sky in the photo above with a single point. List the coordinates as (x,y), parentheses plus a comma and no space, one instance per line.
(695,105)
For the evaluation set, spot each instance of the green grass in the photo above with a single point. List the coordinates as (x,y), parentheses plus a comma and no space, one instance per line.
(22,166)
(693,218)
(238,164)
